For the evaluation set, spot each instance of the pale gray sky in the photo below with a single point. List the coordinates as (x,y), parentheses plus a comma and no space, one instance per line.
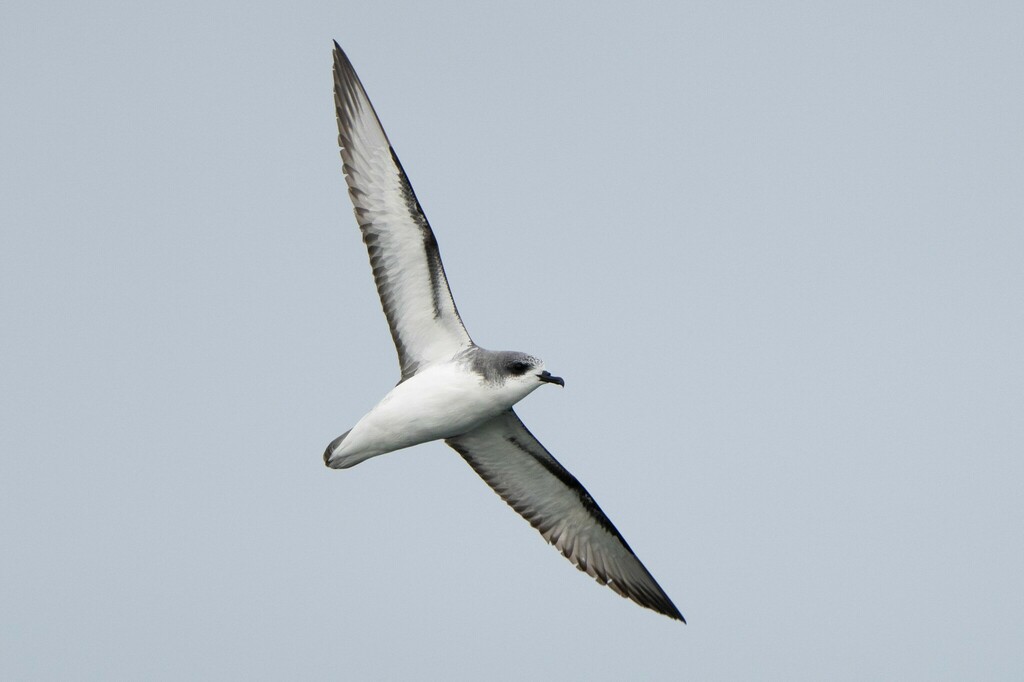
(774,248)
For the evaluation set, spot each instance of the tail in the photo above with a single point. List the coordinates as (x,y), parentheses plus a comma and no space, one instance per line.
(354,453)
(329,452)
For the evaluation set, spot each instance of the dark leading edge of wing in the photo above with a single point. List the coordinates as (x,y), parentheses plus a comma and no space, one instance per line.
(411,282)
(507,456)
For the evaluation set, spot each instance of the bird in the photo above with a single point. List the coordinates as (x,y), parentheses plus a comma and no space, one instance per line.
(451,389)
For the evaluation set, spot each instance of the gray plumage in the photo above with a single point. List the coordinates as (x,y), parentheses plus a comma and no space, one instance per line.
(450,388)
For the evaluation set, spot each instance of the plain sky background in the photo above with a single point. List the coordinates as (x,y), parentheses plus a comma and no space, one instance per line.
(776,250)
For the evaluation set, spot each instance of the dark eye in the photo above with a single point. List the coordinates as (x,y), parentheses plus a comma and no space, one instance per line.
(518,368)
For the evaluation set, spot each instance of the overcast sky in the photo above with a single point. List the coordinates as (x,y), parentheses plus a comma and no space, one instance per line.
(775,249)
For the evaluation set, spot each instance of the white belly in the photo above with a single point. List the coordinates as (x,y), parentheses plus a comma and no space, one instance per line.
(439,402)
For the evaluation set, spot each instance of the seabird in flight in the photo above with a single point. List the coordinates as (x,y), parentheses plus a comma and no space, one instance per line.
(452,389)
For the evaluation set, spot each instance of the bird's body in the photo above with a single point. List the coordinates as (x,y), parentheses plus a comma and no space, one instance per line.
(450,388)
(443,400)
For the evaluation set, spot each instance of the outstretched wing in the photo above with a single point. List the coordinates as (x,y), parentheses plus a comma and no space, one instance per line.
(425,324)
(525,475)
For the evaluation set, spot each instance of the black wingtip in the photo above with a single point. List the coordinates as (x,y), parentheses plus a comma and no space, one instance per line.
(670,610)
(665,607)
(339,54)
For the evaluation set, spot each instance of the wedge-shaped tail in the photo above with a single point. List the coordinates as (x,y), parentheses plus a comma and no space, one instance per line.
(334,462)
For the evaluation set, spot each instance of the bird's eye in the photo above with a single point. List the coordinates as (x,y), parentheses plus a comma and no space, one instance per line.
(518,368)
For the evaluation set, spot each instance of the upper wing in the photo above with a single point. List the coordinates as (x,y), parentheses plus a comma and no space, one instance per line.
(524,473)
(403,252)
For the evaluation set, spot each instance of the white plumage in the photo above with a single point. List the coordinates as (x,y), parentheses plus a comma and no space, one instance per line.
(450,388)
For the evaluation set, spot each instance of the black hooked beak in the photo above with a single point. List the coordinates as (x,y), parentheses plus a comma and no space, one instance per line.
(549,378)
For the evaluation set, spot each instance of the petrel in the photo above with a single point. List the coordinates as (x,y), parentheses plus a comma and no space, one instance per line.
(450,388)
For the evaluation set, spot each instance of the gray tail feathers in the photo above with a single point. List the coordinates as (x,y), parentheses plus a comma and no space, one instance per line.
(335,444)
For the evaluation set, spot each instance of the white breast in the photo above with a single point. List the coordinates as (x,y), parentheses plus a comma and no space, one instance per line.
(439,402)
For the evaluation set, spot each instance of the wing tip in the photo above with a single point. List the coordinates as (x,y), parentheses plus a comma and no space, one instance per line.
(657,600)
(341,61)
(673,613)
(654,599)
